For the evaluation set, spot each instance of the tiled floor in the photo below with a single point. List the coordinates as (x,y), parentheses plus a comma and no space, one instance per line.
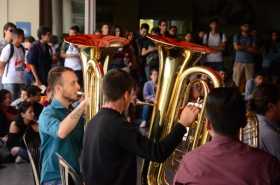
(16,174)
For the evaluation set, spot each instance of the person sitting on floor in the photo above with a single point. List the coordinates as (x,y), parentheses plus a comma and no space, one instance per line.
(251,85)
(149,93)
(23,97)
(7,113)
(24,122)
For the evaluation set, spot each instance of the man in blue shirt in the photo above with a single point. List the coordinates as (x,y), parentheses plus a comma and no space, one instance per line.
(266,104)
(245,47)
(60,126)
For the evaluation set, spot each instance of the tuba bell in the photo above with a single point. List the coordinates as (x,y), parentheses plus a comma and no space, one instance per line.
(93,68)
(250,133)
(177,75)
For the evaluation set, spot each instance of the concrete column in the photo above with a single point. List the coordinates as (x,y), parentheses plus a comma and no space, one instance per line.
(4,10)
(57,17)
(90,16)
(3,13)
(67,15)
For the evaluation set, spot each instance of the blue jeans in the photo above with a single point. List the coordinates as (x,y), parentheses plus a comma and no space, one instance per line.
(14,89)
(23,153)
(146,112)
(28,78)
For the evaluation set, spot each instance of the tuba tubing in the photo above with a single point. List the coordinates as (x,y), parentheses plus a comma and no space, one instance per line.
(173,73)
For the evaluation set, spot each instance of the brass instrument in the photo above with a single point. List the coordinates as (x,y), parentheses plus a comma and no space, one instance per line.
(250,133)
(173,92)
(94,69)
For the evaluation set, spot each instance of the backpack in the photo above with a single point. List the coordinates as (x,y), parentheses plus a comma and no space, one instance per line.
(207,37)
(12,50)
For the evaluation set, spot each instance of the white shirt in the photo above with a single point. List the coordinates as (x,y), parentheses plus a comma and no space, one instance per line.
(73,62)
(16,65)
(214,40)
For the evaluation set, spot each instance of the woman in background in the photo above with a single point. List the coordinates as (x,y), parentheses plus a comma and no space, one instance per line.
(23,123)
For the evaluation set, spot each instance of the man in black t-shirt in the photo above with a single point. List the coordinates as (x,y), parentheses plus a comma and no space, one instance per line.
(40,56)
(147,50)
(111,143)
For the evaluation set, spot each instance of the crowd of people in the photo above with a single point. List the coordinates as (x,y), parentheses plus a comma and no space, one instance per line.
(40,81)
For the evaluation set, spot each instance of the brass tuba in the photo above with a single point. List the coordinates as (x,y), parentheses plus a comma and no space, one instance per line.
(177,75)
(94,69)
(250,133)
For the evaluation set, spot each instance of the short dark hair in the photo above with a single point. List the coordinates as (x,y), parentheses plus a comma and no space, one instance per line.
(33,91)
(24,88)
(43,30)
(215,19)
(55,74)
(152,70)
(103,24)
(54,39)
(115,83)
(7,26)
(260,73)
(226,110)
(29,39)
(18,32)
(145,26)
(263,96)
(3,93)
(161,21)
(76,28)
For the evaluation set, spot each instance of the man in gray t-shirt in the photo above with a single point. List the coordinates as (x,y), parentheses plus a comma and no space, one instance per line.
(245,47)
(8,35)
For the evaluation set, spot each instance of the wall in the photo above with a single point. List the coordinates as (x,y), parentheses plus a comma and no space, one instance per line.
(126,14)
(268,15)
(20,10)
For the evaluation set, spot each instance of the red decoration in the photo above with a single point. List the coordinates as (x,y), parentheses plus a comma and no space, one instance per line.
(182,44)
(97,40)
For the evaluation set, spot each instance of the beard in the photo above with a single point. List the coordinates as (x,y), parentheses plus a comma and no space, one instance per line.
(69,98)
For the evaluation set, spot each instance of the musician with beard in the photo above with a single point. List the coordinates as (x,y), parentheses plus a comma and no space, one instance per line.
(60,126)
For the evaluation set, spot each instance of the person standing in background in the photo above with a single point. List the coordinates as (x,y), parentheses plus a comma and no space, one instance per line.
(216,40)
(40,57)
(28,77)
(245,47)
(12,64)
(7,38)
(71,55)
